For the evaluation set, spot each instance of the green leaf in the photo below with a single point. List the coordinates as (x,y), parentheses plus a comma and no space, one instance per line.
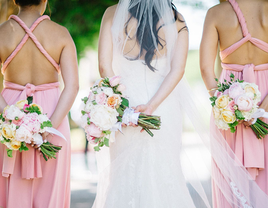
(9,152)
(239,115)
(106,142)
(83,112)
(88,121)
(125,102)
(33,109)
(94,102)
(85,99)
(30,100)
(232,129)
(216,79)
(232,75)
(46,124)
(120,111)
(97,148)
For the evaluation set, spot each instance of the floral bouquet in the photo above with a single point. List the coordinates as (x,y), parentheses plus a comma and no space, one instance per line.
(22,124)
(236,101)
(106,109)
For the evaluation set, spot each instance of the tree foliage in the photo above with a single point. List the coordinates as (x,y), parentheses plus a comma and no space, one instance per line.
(82,18)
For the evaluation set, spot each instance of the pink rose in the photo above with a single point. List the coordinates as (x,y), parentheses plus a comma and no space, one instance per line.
(25,106)
(94,131)
(231,106)
(121,88)
(92,140)
(235,90)
(244,103)
(218,94)
(31,120)
(101,98)
(114,80)
(17,122)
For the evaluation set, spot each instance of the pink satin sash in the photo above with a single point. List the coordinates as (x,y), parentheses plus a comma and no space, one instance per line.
(31,159)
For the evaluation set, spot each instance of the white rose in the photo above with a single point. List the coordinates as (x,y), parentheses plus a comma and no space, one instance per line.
(13,111)
(108,91)
(88,107)
(84,121)
(221,124)
(43,118)
(103,116)
(23,134)
(38,139)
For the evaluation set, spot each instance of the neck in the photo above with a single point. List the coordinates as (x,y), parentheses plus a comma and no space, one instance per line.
(34,11)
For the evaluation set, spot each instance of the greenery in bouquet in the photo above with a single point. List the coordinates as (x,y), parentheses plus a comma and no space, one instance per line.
(105,110)
(235,101)
(22,124)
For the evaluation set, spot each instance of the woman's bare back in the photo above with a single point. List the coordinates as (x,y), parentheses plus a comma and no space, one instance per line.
(30,65)
(229,30)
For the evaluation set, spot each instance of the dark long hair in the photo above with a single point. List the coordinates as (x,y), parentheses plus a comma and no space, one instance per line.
(146,38)
(24,3)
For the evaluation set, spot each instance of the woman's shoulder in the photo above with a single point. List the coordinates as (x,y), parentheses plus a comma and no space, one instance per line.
(109,13)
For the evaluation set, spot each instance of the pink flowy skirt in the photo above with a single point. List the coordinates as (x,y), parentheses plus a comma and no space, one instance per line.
(29,181)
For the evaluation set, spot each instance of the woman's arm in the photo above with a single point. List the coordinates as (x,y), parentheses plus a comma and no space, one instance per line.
(69,71)
(208,52)
(3,103)
(106,44)
(174,76)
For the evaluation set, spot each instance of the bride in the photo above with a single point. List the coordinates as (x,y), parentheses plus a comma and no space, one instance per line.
(146,43)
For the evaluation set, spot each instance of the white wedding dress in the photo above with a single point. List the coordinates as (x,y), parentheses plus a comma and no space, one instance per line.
(145,171)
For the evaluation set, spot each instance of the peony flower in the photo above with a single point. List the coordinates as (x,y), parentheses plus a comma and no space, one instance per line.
(228,116)
(114,101)
(244,103)
(101,98)
(17,122)
(9,131)
(88,107)
(222,101)
(23,134)
(15,145)
(231,106)
(94,131)
(38,139)
(108,91)
(216,112)
(121,88)
(236,90)
(103,116)
(14,112)
(32,121)
(84,121)
(36,105)
(20,104)
(115,80)
(226,92)
(221,124)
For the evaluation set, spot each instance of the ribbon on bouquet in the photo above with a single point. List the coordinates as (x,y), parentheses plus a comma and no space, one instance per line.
(130,116)
(55,131)
(260,113)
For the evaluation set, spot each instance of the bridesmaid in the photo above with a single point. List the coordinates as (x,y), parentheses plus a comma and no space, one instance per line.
(33,51)
(240,28)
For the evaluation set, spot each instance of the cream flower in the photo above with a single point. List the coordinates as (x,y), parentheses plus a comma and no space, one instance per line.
(9,131)
(20,104)
(216,112)
(228,116)
(222,101)
(15,145)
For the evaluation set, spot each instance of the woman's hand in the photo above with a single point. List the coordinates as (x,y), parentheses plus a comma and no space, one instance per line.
(146,109)
(44,136)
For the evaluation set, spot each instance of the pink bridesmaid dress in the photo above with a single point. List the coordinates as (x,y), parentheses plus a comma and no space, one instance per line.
(252,152)
(26,179)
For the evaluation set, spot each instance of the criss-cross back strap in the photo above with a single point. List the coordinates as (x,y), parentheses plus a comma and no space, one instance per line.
(246,35)
(29,34)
